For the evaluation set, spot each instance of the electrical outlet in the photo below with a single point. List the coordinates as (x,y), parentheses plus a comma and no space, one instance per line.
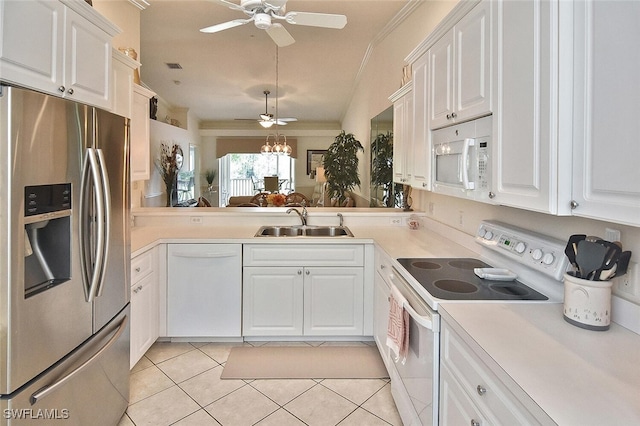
(431,208)
(628,285)
(397,221)
(461,218)
(611,234)
(195,220)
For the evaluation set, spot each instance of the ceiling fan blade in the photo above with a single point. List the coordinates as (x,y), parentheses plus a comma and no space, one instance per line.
(225,26)
(324,20)
(280,35)
(229,4)
(282,123)
(288,119)
(275,4)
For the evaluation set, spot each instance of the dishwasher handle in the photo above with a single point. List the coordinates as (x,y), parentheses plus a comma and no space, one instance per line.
(422,320)
(211,255)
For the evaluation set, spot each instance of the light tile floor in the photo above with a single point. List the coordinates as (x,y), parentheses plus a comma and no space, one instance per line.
(179,384)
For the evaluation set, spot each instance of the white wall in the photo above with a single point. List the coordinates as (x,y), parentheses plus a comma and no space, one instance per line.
(383,75)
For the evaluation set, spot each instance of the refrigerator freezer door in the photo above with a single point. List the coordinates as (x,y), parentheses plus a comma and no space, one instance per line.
(43,139)
(112,143)
(89,387)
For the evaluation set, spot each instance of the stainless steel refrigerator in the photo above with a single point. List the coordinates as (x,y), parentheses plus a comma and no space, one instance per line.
(64,261)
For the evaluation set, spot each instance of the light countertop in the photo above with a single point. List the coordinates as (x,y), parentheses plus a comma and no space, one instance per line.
(576,376)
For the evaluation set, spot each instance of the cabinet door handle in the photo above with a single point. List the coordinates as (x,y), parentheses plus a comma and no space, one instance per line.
(70,91)
(138,269)
(299,272)
(481,390)
(448,116)
(474,422)
(307,272)
(454,115)
(61,89)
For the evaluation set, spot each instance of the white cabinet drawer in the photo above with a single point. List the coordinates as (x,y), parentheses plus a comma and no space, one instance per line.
(141,266)
(303,255)
(484,388)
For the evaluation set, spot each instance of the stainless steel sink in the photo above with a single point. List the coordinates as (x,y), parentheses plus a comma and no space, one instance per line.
(304,231)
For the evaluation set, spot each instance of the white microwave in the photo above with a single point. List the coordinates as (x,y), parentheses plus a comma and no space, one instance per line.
(461,160)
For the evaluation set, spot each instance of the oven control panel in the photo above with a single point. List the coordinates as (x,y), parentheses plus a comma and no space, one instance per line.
(540,252)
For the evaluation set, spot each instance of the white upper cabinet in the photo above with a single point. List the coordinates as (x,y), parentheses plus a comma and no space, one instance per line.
(419,157)
(402,115)
(60,48)
(525,137)
(460,70)
(606,128)
(140,129)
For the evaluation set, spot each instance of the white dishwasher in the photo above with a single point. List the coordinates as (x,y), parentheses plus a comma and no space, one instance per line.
(204,290)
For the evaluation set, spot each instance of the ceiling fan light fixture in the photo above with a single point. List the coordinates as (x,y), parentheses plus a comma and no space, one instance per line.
(266,123)
(262,20)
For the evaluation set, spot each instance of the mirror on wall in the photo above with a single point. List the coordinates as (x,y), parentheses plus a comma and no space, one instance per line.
(384,192)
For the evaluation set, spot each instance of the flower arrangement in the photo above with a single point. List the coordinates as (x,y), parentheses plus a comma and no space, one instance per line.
(276,199)
(168,164)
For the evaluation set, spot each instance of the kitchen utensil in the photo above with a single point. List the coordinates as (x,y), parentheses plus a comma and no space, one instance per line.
(607,274)
(572,249)
(590,257)
(610,259)
(623,263)
(587,304)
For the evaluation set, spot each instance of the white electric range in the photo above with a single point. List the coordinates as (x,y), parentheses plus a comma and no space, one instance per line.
(537,260)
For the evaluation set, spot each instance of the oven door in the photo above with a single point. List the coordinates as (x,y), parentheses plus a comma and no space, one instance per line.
(414,383)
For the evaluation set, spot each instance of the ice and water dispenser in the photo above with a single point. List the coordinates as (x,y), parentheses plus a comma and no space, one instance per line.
(47,236)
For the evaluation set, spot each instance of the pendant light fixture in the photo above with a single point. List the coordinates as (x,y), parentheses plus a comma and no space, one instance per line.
(279,147)
(266,119)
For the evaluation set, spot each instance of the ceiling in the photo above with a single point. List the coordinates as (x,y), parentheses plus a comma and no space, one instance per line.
(224,74)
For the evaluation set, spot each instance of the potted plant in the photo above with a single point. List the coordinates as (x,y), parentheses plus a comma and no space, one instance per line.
(210,176)
(382,170)
(168,165)
(341,166)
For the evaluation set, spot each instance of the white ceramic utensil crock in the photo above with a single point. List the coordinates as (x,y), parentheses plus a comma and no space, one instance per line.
(587,304)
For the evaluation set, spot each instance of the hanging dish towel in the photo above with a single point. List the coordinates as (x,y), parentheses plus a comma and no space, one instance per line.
(398,329)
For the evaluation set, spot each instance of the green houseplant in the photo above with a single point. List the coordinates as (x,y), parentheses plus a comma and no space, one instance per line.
(341,165)
(382,170)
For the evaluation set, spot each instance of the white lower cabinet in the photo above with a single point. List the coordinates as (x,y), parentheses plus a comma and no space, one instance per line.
(472,393)
(144,303)
(204,290)
(381,294)
(309,293)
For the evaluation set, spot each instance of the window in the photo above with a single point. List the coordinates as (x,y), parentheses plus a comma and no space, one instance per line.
(243,174)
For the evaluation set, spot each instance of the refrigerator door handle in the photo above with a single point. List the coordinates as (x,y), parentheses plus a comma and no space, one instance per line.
(41,393)
(92,274)
(105,219)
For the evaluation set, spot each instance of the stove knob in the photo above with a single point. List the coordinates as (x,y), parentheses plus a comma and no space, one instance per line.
(482,232)
(548,258)
(536,254)
(488,235)
(520,247)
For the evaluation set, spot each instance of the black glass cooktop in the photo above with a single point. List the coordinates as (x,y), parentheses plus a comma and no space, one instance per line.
(454,279)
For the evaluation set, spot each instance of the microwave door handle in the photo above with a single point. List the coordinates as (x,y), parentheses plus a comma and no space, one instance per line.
(468,142)
(104,217)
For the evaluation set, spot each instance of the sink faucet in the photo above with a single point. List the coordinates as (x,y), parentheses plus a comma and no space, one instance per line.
(303,215)
(341,219)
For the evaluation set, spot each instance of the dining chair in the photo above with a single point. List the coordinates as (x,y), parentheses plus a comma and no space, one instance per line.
(271,184)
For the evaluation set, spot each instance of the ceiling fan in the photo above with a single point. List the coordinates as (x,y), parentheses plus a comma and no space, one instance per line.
(263,12)
(267,120)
